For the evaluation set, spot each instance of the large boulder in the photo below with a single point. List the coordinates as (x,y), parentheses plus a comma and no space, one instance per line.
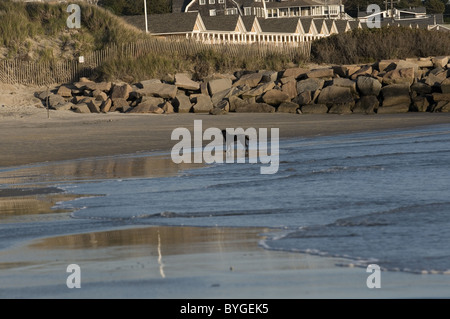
(183,81)
(368,104)
(399,76)
(294,72)
(442,106)
(303,98)
(335,95)
(219,96)
(314,109)
(237,102)
(121,91)
(250,80)
(203,104)
(368,85)
(255,108)
(441,97)
(320,73)
(106,106)
(403,64)
(102,86)
(259,90)
(386,65)
(434,80)
(445,86)
(395,94)
(120,105)
(275,97)
(166,91)
(288,107)
(363,70)
(81,108)
(182,103)
(64,91)
(219,85)
(345,83)
(54,100)
(168,108)
(95,105)
(343,108)
(145,83)
(309,85)
(149,105)
(99,95)
(290,88)
(269,76)
(440,61)
(421,88)
(421,104)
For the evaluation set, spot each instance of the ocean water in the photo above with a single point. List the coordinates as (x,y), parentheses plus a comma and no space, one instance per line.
(377,197)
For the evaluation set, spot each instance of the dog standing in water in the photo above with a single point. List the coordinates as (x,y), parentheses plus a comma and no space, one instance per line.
(228,139)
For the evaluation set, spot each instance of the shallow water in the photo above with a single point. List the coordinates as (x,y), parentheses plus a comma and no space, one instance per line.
(379,197)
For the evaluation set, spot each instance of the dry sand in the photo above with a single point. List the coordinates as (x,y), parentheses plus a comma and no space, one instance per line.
(167,262)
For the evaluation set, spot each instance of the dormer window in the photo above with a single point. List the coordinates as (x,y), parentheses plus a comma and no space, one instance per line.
(202,2)
(212,1)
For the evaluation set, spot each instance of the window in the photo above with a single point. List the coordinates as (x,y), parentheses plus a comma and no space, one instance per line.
(221,1)
(247,11)
(202,2)
(212,1)
(212,12)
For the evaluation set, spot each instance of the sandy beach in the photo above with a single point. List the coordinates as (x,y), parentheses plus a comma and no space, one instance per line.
(66,135)
(159,261)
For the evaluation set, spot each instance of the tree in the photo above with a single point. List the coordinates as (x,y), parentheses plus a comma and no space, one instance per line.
(402,4)
(353,6)
(136,7)
(434,6)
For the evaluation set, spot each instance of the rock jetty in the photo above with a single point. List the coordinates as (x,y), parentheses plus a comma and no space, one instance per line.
(388,86)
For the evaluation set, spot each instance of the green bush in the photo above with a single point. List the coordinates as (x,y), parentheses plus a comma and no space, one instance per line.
(368,45)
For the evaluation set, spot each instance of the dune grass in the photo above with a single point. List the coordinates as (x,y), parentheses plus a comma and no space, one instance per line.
(370,45)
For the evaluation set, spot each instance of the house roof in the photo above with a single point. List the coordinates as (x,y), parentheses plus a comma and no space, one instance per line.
(354,24)
(307,24)
(341,25)
(248,22)
(165,23)
(319,24)
(221,23)
(330,23)
(285,25)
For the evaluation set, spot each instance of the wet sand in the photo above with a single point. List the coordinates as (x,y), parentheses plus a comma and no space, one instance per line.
(66,135)
(191,263)
(164,262)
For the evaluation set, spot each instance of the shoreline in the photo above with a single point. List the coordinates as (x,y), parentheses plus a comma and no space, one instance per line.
(218,262)
(68,136)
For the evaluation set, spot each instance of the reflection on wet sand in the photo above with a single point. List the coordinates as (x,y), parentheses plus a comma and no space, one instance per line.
(160,244)
(139,166)
(16,207)
(173,240)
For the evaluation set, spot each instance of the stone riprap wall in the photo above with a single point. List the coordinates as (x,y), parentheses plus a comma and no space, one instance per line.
(389,86)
